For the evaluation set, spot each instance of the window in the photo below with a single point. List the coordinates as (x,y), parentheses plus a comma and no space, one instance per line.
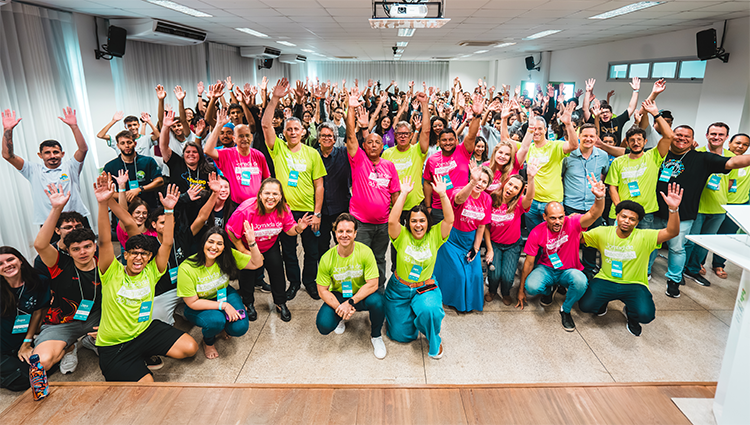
(567,89)
(663,70)
(528,89)
(676,69)
(639,70)
(692,69)
(618,71)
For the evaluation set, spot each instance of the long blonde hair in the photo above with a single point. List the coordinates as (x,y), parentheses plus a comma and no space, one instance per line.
(507,168)
(497,195)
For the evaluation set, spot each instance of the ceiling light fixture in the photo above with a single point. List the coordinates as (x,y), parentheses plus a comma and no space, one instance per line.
(504,45)
(180,8)
(286,43)
(402,43)
(308,50)
(541,34)
(406,32)
(252,32)
(399,50)
(479,52)
(627,9)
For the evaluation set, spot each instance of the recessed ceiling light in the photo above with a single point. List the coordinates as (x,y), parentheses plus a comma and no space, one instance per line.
(252,32)
(318,54)
(399,50)
(542,34)
(402,43)
(406,32)
(504,45)
(627,9)
(308,50)
(180,8)
(286,43)
(481,51)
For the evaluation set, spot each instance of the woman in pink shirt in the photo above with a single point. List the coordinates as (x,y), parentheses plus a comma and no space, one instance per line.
(458,269)
(269,215)
(503,235)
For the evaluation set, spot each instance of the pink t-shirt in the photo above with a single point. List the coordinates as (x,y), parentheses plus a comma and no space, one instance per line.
(505,227)
(472,213)
(497,179)
(565,243)
(267,227)
(372,186)
(455,167)
(122,235)
(245,173)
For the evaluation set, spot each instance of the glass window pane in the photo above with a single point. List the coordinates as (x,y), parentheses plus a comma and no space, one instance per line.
(528,89)
(618,71)
(664,70)
(692,69)
(568,90)
(639,70)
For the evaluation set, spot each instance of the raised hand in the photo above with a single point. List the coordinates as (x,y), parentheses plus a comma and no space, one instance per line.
(635,83)
(495,106)
(610,94)
(214,182)
(103,188)
(238,94)
(200,126)
(57,197)
(160,92)
(118,116)
(173,195)
(248,233)
(597,186)
(122,178)
(9,119)
(304,221)
(417,122)
(179,93)
(216,90)
(659,86)
(370,82)
(477,106)
(194,192)
(532,167)
(201,88)
(673,198)
(407,185)
(650,107)
(567,114)
(590,85)
(354,98)
(476,173)
(596,108)
(69,116)
(168,118)
(505,110)
(281,89)
(438,186)
(299,91)
(221,118)
(363,117)
(264,83)
(578,93)
(454,122)
(145,117)
(228,82)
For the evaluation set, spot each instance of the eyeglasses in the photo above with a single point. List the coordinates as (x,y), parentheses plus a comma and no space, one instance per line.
(80,226)
(326,136)
(402,134)
(142,254)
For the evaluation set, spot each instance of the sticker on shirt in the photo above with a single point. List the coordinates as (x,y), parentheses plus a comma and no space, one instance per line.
(346,289)
(416,271)
(634,189)
(64,177)
(617,269)
(144,313)
(555,260)
(293,177)
(21,324)
(84,309)
(140,175)
(713,182)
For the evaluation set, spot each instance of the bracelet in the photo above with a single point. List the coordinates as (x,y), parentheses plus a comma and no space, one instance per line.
(674,211)
(250,245)
(599,199)
(26,340)
(636,91)
(221,303)
(121,190)
(168,211)
(656,117)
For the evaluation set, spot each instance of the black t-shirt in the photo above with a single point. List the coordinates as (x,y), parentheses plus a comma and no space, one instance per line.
(176,257)
(40,267)
(691,171)
(66,290)
(612,127)
(27,302)
(184,177)
(144,168)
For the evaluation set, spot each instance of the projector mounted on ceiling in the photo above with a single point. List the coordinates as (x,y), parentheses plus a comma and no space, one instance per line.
(405,10)
(408,14)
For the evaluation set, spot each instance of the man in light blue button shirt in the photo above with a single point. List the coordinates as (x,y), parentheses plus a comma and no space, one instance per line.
(578,197)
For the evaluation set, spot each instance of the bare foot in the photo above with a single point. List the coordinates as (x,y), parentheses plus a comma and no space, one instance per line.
(210,351)
(223,335)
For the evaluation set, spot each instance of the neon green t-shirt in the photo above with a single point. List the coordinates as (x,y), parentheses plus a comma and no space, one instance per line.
(409,163)
(548,185)
(643,172)
(632,252)
(122,298)
(417,252)
(205,282)
(357,268)
(306,165)
(716,192)
(742,187)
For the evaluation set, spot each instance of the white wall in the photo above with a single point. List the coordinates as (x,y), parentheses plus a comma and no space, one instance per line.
(469,72)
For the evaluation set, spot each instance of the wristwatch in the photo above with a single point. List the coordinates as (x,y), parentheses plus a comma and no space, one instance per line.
(317,214)
(351,301)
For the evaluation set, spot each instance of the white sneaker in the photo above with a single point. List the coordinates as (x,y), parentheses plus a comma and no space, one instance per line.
(89,343)
(379,346)
(69,361)
(340,328)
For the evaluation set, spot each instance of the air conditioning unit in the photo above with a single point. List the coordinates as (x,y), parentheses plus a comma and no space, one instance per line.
(292,59)
(160,32)
(259,52)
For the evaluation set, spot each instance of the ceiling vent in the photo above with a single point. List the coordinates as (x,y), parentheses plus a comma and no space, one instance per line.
(160,32)
(442,58)
(292,59)
(345,57)
(259,52)
(478,43)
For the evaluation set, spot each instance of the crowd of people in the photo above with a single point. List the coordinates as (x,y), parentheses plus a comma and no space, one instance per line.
(460,184)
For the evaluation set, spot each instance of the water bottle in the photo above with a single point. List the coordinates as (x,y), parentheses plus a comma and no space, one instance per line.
(551,134)
(38,378)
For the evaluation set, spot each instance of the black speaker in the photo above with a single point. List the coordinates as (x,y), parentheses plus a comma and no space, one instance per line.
(116,37)
(530,63)
(265,64)
(706,44)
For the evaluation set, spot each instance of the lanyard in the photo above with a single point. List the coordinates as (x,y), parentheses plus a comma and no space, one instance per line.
(81,287)
(135,166)
(197,173)
(19,300)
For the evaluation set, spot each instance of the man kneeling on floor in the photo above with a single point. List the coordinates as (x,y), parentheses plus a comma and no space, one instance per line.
(625,253)
(348,282)
(127,336)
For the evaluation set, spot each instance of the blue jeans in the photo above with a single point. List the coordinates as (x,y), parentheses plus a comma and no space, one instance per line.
(376,237)
(637,299)
(327,319)
(534,215)
(505,261)
(212,322)
(409,313)
(541,279)
(704,224)
(649,222)
(291,261)
(676,257)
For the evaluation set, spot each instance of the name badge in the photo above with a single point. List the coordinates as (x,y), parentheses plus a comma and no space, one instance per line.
(555,260)
(145,312)
(21,325)
(293,176)
(448,183)
(713,182)
(84,308)
(634,190)
(415,272)
(346,289)
(133,184)
(617,269)
(733,189)
(245,178)
(666,174)
(173,274)
(221,295)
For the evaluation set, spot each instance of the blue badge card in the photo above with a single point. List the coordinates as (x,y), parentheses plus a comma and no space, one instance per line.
(713,182)
(346,289)
(733,189)
(132,184)
(555,260)
(293,176)
(246,177)
(21,325)
(221,295)
(415,272)
(666,174)
(145,312)
(634,190)
(448,182)
(617,269)
(84,308)
(173,275)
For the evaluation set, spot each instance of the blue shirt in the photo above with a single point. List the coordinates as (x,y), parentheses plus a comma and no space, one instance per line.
(337,182)
(577,193)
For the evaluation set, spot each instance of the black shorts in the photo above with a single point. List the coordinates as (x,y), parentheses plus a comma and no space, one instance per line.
(127,361)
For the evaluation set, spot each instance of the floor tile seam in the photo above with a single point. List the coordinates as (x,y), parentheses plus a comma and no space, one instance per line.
(244,364)
(596,355)
(719,319)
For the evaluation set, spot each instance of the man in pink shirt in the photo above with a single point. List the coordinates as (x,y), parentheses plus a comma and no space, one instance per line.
(557,240)
(375,187)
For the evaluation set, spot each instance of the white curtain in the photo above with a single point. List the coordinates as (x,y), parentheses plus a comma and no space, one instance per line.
(41,72)
(434,73)
(226,61)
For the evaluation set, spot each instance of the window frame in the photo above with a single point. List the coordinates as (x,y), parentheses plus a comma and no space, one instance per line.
(676,79)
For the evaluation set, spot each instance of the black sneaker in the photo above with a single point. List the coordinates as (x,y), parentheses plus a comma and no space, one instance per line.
(634,327)
(602,311)
(561,290)
(251,313)
(264,287)
(547,299)
(698,278)
(567,321)
(154,363)
(673,289)
(313,292)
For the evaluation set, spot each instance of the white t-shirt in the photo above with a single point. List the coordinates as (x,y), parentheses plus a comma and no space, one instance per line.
(67,174)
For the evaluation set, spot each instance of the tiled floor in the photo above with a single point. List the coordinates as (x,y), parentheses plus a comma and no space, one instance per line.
(500,345)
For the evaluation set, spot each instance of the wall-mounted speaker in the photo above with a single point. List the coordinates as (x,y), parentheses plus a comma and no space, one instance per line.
(706,44)
(530,63)
(116,40)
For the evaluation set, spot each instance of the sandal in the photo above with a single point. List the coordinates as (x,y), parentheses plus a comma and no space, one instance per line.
(719,271)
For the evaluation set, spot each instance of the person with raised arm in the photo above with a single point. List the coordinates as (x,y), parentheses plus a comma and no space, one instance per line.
(144,144)
(145,177)
(188,168)
(607,124)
